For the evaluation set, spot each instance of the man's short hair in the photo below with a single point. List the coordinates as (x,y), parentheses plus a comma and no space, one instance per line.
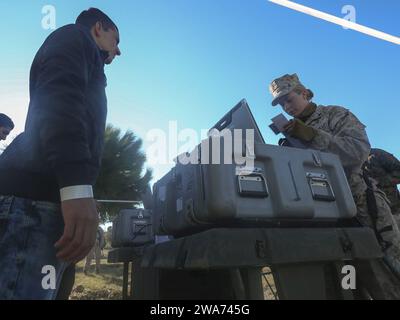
(91,16)
(6,121)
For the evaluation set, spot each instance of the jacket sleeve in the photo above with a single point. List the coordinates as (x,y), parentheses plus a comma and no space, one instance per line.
(60,103)
(347,139)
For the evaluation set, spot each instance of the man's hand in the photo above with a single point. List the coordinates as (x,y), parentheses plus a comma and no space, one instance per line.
(81,222)
(298,129)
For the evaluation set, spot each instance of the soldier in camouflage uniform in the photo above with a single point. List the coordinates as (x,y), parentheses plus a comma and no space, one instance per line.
(385,169)
(336,130)
(95,253)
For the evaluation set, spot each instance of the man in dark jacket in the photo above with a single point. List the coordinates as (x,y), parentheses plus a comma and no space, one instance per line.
(48,217)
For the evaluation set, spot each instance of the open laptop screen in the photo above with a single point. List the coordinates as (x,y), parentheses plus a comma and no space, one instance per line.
(239,117)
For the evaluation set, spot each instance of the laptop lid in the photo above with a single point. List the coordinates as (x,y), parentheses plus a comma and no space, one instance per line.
(239,117)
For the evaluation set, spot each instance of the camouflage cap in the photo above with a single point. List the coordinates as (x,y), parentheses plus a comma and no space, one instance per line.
(282,86)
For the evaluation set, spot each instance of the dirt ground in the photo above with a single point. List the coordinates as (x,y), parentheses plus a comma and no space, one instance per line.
(107,285)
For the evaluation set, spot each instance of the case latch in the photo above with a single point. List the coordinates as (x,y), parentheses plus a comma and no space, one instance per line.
(252,183)
(320,187)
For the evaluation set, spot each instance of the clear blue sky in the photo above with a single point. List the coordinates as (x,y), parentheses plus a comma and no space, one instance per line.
(192,60)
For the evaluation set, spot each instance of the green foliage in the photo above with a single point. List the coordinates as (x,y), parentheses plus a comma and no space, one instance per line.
(122,174)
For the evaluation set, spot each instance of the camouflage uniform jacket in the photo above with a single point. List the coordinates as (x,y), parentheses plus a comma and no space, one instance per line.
(385,169)
(338,131)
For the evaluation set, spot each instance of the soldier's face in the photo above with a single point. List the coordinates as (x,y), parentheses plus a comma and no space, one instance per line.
(294,103)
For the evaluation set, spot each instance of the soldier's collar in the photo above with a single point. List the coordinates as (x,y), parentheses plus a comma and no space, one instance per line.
(307,112)
(316,115)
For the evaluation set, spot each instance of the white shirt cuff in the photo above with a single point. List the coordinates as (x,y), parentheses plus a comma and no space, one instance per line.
(76,192)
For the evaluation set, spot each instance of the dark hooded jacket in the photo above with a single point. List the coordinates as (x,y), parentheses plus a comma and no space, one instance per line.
(63,138)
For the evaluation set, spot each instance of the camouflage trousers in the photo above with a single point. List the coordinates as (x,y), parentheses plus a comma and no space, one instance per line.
(396,215)
(96,254)
(386,226)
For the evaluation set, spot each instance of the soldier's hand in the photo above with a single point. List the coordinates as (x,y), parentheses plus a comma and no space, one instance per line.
(81,222)
(298,129)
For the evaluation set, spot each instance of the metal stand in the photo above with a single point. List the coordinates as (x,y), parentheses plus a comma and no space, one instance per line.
(126,256)
(226,263)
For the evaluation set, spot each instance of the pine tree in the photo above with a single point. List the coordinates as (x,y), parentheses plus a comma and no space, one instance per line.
(122,175)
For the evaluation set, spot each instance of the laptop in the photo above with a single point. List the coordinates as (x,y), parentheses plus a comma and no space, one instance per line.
(239,117)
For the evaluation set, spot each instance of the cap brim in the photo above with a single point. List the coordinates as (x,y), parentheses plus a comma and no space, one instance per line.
(275,102)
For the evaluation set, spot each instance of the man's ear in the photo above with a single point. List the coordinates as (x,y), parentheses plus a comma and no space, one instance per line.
(97,28)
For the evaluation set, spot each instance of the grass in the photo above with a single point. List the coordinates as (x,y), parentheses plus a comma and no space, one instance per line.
(107,285)
(269,285)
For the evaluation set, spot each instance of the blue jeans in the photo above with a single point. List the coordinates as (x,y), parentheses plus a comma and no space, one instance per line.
(29,268)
